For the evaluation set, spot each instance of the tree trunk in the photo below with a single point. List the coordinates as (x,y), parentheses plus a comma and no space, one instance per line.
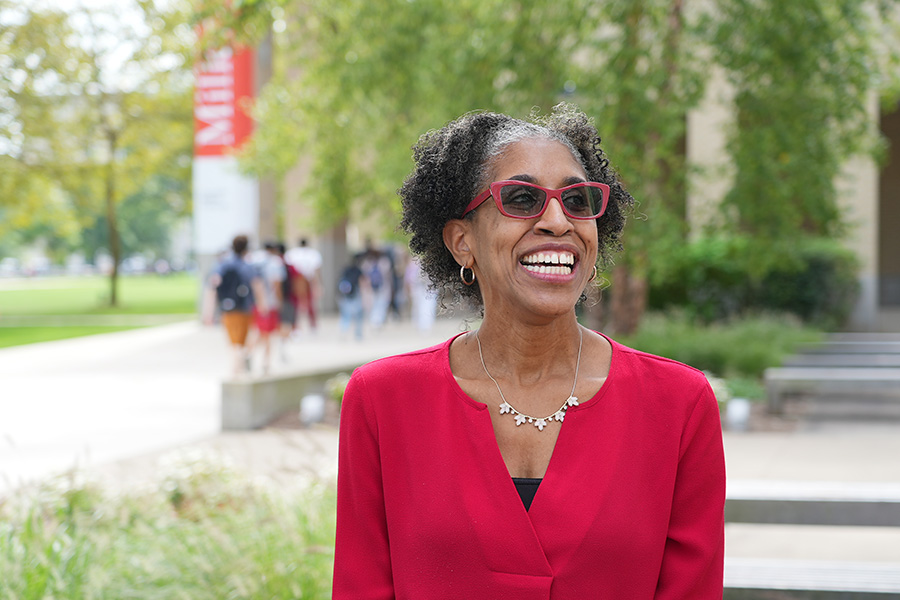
(114,246)
(629,300)
(630,289)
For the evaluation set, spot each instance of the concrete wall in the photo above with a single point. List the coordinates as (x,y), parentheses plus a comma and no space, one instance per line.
(858,197)
(255,403)
(706,136)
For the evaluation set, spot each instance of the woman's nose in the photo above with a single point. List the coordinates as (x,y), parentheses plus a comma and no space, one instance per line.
(554,221)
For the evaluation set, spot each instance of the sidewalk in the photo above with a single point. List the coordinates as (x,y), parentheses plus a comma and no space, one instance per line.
(92,401)
(826,451)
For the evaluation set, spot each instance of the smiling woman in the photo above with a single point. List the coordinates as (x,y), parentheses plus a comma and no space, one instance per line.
(457,462)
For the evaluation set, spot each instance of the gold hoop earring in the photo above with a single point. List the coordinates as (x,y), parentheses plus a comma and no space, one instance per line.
(594,273)
(462,275)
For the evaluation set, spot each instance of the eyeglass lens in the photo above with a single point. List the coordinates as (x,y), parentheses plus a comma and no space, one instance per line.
(526,201)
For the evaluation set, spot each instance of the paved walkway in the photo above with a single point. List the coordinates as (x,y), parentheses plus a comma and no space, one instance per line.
(90,401)
(118,403)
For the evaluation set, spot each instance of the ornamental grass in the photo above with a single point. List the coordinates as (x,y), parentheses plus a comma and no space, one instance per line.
(204,531)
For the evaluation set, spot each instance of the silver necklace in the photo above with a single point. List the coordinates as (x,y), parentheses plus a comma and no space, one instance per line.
(539,422)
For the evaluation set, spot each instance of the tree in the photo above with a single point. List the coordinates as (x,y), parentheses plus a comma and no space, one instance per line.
(31,205)
(144,222)
(642,77)
(98,104)
(802,73)
(357,81)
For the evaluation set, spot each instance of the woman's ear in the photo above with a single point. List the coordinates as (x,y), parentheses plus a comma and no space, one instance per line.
(456,235)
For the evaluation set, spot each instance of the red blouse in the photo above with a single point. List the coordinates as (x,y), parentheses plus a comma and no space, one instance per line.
(631,505)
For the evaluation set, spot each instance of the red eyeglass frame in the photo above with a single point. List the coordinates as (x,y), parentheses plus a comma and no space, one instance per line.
(493,191)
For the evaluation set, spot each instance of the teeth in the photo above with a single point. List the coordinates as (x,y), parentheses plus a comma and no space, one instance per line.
(550,270)
(550,258)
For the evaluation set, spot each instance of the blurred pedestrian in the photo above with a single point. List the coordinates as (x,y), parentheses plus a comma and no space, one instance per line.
(235,288)
(377,269)
(272,274)
(308,262)
(422,299)
(350,298)
(397,302)
(291,287)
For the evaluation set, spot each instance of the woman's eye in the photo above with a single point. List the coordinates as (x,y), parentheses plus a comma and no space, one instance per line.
(519,197)
(577,200)
(522,199)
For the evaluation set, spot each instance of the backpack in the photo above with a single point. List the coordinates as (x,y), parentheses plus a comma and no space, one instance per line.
(376,278)
(348,285)
(233,292)
(287,284)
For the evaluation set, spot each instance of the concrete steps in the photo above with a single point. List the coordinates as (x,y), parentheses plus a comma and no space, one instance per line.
(857,365)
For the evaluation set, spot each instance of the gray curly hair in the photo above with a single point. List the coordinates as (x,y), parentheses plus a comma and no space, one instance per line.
(453,165)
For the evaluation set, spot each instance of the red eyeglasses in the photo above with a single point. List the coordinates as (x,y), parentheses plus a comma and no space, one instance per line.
(523,200)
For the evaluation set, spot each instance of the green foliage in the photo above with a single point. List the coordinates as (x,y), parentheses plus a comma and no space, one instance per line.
(219,537)
(737,348)
(335,387)
(355,103)
(357,82)
(720,277)
(746,387)
(146,220)
(821,290)
(95,107)
(643,75)
(802,71)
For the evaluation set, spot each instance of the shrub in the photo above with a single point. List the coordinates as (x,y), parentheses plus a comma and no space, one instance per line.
(822,290)
(719,278)
(736,348)
(336,385)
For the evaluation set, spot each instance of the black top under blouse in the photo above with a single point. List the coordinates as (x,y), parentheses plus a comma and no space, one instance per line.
(527,488)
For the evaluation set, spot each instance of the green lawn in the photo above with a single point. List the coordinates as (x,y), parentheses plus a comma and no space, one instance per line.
(145,294)
(51,308)
(17,336)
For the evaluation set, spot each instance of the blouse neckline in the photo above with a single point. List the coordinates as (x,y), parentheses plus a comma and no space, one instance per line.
(609,382)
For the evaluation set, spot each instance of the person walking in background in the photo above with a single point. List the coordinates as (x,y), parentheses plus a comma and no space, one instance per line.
(377,268)
(308,262)
(422,299)
(350,298)
(291,287)
(397,302)
(272,274)
(235,288)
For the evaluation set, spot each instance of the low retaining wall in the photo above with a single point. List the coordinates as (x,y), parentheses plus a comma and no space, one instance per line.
(256,402)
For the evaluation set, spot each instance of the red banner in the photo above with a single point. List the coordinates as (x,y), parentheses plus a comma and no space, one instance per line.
(223,94)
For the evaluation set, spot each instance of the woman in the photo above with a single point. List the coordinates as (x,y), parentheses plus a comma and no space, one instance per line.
(442,450)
